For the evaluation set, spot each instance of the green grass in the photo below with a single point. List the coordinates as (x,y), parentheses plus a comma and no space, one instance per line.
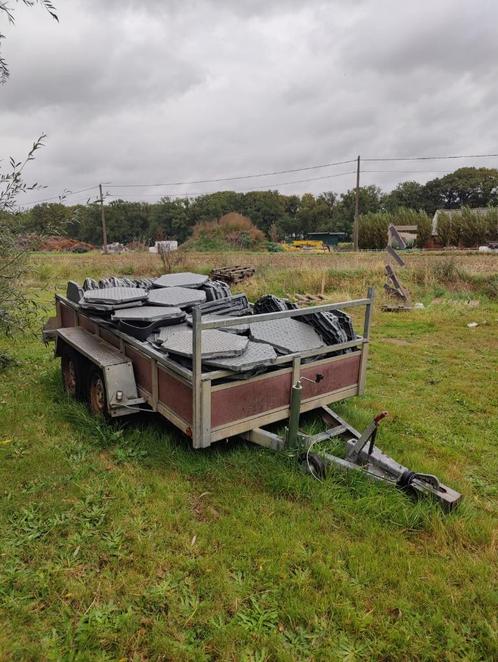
(119,542)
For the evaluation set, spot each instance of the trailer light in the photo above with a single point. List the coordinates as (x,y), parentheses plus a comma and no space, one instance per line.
(119,395)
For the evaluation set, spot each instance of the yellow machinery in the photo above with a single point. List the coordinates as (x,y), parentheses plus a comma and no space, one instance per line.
(306,246)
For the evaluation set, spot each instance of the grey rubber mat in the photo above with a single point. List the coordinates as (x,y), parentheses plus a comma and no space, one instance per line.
(149,313)
(214,344)
(162,334)
(115,295)
(175,296)
(216,289)
(239,329)
(256,355)
(185,279)
(286,335)
(107,307)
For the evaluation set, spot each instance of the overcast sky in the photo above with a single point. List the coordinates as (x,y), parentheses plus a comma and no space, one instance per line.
(161,91)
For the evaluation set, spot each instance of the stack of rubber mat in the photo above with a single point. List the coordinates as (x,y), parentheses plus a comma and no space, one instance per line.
(234,306)
(219,350)
(142,321)
(216,289)
(346,324)
(113,281)
(108,299)
(328,326)
(333,327)
(272,304)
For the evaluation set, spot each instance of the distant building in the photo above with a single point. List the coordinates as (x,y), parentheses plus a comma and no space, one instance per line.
(164,246)
(329,238)
(401,236)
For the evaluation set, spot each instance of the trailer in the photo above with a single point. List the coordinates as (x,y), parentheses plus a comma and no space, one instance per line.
(119,375)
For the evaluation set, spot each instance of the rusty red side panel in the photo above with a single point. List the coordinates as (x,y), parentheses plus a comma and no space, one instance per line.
(259,397)
(67,315)
(250,398)
(335,376)
(109,337)
(87,324)
(142,367)
(175,395)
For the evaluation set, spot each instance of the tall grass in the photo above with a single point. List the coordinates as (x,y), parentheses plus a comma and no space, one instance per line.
(467,228)
(373,227)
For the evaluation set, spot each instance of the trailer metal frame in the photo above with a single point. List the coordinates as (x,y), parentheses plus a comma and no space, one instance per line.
(193,400)
(209,406)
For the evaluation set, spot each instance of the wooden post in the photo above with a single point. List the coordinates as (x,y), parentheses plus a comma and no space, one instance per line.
(102,210)
(356,206)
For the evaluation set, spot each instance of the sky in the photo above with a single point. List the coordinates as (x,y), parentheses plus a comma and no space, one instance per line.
(176,91)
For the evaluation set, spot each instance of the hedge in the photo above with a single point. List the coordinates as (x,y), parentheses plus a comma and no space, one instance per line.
(373,227)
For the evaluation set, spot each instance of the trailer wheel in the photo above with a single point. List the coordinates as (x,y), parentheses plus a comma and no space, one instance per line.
(311,463)
(97,399)
(72,373)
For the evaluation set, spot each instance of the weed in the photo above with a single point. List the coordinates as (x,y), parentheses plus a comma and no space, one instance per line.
(257,617)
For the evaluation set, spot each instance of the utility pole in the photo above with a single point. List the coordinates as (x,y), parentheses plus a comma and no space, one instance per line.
(104,229)
(356,206)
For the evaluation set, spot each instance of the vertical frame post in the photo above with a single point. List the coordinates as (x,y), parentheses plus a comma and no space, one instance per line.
(196,377)
(366,339)
(368,313)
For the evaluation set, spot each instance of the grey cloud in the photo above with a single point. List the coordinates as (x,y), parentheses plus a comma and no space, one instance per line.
(453,36)
(168,90)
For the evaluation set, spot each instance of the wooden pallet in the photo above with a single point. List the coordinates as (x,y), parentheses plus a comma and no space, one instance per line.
(232,275)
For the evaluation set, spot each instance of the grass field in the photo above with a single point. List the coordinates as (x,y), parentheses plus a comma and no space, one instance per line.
(121,543)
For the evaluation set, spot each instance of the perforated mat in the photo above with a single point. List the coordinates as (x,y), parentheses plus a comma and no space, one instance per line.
(286,335)
(175,296)
(185,279)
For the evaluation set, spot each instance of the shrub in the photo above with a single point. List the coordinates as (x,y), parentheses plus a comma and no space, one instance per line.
(448,229)
(373,227)
(467,228)
(232,231)
(446,271)
(403,216)
(372,230)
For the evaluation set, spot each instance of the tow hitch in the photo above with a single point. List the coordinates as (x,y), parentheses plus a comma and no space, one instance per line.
(361,454)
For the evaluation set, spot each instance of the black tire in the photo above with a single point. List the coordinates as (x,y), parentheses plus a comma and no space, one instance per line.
(96,393)
(312,464)
(72,373)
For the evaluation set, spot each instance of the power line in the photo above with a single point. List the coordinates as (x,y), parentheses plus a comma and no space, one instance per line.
(230,179)
(245,190)
(278,172)
(433,158)
(409,172)
(62,196)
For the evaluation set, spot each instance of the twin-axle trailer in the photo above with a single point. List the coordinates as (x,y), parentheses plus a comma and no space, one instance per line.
(119,375)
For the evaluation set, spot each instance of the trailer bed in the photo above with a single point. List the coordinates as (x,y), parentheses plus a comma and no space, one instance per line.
(209,405)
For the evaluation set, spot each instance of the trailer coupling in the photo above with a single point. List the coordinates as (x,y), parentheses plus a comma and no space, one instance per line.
(361,454)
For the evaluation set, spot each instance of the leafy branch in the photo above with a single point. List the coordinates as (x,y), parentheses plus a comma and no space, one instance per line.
(11,183)
(8,13)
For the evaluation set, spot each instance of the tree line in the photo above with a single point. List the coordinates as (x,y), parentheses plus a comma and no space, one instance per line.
(276,214)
